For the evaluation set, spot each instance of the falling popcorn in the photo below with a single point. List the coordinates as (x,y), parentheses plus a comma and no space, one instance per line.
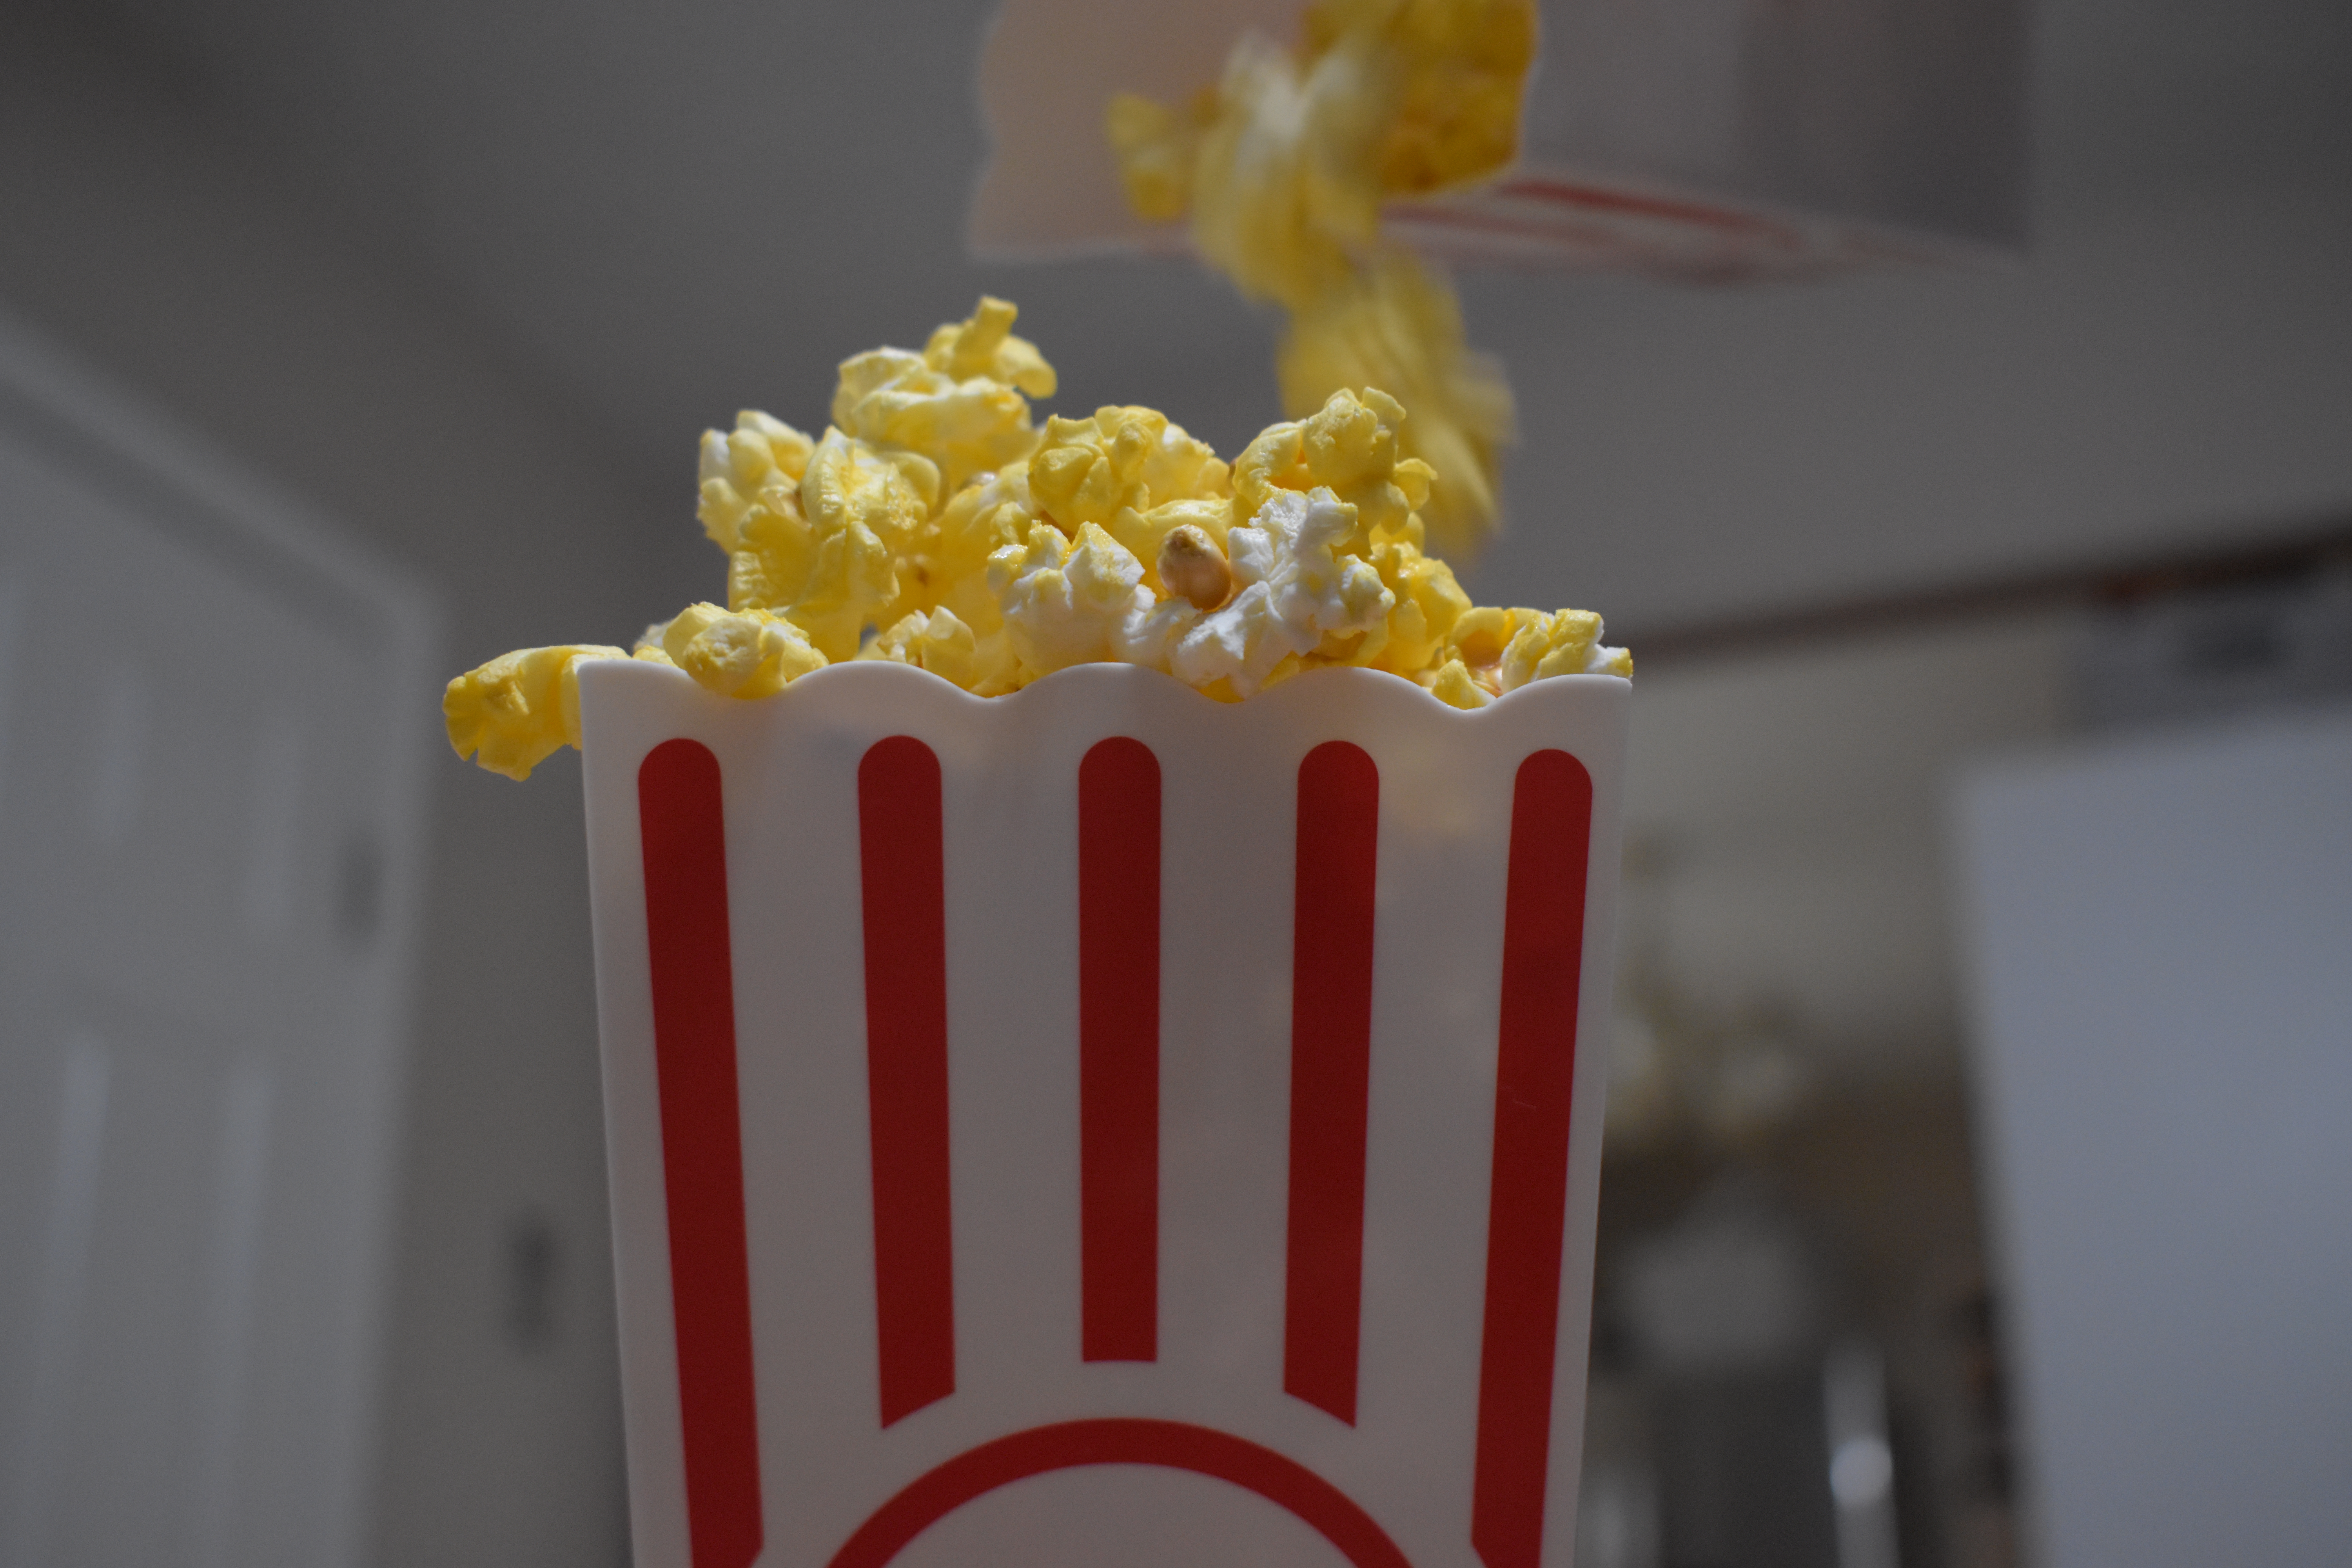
(1282,167)
(934,523)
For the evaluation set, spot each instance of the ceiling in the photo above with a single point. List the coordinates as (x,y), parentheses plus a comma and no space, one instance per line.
(662,213)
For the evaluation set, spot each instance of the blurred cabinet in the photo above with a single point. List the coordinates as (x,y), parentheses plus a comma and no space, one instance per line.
(209,808)
(2161,930)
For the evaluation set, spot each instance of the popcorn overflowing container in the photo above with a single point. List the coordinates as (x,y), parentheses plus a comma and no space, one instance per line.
(1102,1123)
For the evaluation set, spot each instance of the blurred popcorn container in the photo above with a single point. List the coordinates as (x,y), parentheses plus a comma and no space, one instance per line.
(1700,138)
(1100,1124)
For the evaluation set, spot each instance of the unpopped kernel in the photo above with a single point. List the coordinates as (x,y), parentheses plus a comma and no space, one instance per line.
(933,523)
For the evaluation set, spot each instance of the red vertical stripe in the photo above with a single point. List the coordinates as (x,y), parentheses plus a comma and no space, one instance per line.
(907,1071)
(1119,1051)
(1330,1072)
(1543,953)
(683,825)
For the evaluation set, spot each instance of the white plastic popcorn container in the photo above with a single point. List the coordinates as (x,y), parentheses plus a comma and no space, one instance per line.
(1101,1123)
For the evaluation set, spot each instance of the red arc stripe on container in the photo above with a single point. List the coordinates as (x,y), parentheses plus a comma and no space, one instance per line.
(902,863)
(1174,1444)
(682,826)
(1543,954)
(1330,1072)
(1119,1051)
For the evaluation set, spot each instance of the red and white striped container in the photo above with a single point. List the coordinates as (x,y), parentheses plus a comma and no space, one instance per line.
(1100,1124)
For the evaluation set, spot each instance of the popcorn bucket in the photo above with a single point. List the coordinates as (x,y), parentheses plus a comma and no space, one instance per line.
(1100,1124)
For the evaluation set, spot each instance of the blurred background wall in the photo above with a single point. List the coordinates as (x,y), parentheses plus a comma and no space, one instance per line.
(471,279)
(151,241)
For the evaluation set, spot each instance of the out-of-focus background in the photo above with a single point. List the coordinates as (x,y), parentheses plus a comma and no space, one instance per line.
(1978,1162)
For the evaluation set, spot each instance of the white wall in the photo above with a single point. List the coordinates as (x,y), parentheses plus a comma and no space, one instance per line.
(2163,1013)
(2152,375)
(2169,362)
(1782,823)
(134,235)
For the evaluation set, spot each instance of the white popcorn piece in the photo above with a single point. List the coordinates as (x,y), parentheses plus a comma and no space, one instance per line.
(1296,592)
(1069,602)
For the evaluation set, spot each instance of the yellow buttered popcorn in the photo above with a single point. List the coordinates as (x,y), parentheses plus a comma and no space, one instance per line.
(1397,325)
(1282,167)
(739,467)
(934,524)
(812,530)
(1088,470)
(1454,686)
(948,569)
(1567,643)
(939,641)
(520,709)
(1135,474)
(1428,604)
(1454,114)
(961,403)
(738,653)
(1350,448)
(984,348)
(900,402)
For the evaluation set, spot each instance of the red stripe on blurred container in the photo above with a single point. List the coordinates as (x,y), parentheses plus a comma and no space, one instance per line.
(1119,1440)
(1543,954)
(1330,1072)
(902,865)
(682,826)
(1119,1051)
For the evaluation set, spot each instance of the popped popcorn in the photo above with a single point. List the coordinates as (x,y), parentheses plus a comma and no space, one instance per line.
(519,709)
(1088,470)
(1563,643)
(738,653)
(1283,167)
(1429,603)
(947,567)
(1456,688)
(1300,595)
(939,642)
(1068,601)
(934,524)
(1348,446)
